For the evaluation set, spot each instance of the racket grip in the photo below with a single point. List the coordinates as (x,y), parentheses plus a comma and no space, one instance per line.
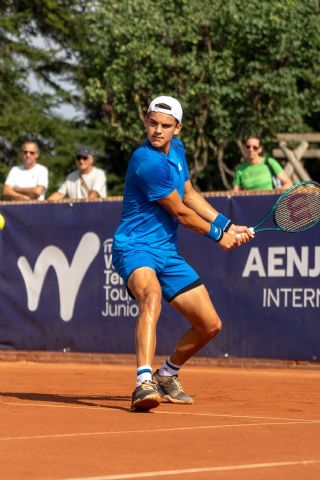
(251,231)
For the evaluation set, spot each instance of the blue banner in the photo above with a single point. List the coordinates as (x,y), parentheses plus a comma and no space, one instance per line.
(59,291)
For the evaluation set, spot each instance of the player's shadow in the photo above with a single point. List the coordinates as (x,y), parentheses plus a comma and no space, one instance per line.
(80,400)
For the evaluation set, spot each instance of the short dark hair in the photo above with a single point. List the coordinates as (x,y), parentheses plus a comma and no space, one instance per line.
(30,140)
(255,137)
(163,105)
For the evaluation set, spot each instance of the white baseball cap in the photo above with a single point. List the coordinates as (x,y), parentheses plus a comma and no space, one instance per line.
(168,105)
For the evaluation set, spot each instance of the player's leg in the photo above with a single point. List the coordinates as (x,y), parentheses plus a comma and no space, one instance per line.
(196,306)
(144,285)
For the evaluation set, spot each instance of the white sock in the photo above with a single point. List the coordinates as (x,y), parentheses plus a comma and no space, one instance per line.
(168,369)
(144,374)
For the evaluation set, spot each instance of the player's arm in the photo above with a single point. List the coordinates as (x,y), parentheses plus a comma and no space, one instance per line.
(195,201)
(190,219)
(202,207)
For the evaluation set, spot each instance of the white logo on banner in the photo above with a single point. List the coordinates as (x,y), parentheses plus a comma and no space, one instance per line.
(286,262)
(69,276)
(282,262)
(118,303)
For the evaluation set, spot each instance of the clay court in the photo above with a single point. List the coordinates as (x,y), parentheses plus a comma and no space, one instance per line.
(67,421)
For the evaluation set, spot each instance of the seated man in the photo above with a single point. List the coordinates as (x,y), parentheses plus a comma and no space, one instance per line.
(87,182)
(28,181)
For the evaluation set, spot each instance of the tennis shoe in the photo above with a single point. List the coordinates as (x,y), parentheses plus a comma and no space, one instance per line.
(171,388)
(145,396)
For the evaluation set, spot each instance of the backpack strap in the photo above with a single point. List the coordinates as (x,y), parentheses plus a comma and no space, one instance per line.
(267,162)
(276,182)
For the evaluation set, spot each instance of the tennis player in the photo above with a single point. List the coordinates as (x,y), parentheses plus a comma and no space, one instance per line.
(158,197)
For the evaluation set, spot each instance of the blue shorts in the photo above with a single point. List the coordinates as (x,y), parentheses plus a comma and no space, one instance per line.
(175,275)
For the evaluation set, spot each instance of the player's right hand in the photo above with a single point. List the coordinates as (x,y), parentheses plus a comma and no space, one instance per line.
(230,241)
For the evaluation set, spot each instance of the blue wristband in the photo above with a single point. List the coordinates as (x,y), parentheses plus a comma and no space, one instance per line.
(215,233)
(222,222)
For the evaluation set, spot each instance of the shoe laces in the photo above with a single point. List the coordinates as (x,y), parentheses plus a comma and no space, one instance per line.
(177,383)
(148,385)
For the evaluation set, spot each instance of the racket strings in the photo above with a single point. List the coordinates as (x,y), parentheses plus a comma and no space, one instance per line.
(299,209)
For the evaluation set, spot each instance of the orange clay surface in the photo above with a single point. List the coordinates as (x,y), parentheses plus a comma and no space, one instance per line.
(71,421)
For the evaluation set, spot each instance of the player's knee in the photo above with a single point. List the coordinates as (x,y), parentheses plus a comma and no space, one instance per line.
(217,326)
(213,328)
(150,298)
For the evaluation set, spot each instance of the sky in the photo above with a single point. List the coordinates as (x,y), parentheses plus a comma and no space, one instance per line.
(66,110)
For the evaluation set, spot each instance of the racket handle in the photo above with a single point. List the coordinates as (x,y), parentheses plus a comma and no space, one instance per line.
(251,231)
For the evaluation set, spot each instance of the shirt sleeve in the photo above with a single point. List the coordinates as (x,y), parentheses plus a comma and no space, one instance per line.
(43,177)
(236,179)
(11,178)
(155,177)
(186,171)
(63,188)
(276,167)
(99,184)
(182,153)
(185,164)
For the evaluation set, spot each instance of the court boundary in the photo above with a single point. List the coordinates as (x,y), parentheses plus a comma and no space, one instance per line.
(83,409)
(188,471)
(129,359)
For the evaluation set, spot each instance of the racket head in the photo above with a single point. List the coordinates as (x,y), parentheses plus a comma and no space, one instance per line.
(298,208)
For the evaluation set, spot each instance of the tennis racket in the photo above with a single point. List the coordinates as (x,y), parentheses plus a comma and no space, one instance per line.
(297,209)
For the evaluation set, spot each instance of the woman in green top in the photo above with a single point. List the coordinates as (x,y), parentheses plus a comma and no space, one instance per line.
(255,174)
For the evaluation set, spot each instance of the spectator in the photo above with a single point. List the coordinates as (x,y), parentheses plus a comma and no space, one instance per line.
(259,172)
(87,182)
(30,180)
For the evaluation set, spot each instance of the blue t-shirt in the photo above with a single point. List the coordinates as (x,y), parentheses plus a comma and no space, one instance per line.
(151,175)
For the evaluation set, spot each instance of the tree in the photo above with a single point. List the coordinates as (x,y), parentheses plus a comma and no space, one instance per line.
(235,70)
(32,35)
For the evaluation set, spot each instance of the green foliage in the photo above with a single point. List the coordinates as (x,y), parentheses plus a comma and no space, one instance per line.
(29,36)
(235,67)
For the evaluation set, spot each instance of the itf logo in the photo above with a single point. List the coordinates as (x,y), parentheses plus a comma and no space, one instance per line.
(69,276)
(117,300)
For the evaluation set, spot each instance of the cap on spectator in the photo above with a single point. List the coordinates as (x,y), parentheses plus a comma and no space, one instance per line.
(84,152)
(168,105)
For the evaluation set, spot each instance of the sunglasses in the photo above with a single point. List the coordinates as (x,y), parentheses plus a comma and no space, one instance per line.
(28,151)
(80,157)
(253,147)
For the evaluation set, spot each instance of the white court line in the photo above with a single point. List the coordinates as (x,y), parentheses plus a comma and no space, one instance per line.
(151,430)
(187,471)
(253,417)
(47,405)
(158,412)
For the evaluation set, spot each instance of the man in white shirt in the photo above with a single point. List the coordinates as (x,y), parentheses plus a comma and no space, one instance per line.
(87,182)
(28,181)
